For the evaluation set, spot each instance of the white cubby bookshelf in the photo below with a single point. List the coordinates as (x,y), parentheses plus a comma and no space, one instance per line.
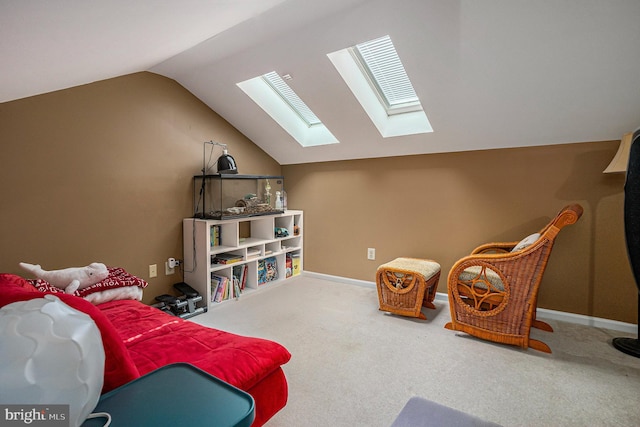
(250,239)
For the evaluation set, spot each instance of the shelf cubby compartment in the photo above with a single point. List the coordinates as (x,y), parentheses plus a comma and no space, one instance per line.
(255,232)
(254,252)
(224,259)
(291,243)
(297,225)
(223,236)
(272,249)
(286,223)
(262,228)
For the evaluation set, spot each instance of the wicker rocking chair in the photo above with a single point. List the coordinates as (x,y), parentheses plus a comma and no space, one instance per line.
(493,292)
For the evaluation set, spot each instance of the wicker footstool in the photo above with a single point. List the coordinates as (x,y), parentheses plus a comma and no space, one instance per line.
(405,285)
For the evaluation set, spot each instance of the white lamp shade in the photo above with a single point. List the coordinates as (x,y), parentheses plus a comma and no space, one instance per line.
(51,354)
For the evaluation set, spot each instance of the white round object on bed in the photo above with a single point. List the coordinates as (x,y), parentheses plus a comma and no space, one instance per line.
(51,354)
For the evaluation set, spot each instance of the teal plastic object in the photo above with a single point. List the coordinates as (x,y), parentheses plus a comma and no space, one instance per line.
(176,395)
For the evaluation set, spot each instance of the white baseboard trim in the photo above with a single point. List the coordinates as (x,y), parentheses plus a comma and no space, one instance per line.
(340,279)
(581,319)
(543,313)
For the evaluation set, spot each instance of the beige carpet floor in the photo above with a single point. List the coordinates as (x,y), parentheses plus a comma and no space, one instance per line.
(353,365)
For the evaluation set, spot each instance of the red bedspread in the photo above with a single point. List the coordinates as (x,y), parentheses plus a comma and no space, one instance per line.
(155,339)
(139,338)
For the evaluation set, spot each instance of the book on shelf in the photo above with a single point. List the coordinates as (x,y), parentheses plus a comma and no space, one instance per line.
(215,235)
(236,288)
(288,266)
(215,282)
(225,258)
(267,270)
(227,290)
(243,280)
(295,263)
(221,285)
(240,277)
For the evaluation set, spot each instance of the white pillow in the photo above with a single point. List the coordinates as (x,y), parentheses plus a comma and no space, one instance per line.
(51,354)
(527,241)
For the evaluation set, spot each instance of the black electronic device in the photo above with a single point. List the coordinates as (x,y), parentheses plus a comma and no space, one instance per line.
(184,306)
(186,290)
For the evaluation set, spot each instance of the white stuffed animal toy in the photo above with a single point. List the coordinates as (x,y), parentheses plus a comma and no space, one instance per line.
(70,279)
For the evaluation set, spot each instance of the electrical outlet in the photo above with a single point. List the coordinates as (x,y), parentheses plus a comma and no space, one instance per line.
(153,270)
(168,270)
(371,253)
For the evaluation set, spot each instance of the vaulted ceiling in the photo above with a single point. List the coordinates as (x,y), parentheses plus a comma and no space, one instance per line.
(489,73)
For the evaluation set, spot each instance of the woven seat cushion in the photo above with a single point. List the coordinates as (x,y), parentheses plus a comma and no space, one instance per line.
(492,277)
(425,268)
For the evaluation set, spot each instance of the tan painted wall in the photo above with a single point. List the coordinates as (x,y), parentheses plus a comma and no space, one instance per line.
(102,172)
(441,206)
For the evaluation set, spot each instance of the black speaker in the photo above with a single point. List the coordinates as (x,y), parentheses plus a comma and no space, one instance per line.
(631,346)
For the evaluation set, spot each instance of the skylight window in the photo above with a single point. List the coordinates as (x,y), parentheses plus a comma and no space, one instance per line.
(387,75)
(290,97)
(284,106)
(375,74)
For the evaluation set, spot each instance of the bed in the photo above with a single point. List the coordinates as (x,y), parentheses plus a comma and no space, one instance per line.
(139,338)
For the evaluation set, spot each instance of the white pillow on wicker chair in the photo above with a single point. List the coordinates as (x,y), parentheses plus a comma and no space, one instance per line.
(490,275)
(526,242)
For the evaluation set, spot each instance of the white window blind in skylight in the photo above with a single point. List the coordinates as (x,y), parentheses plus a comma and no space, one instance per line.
(375,75)
(290,97)
(387,74)
(271,93)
